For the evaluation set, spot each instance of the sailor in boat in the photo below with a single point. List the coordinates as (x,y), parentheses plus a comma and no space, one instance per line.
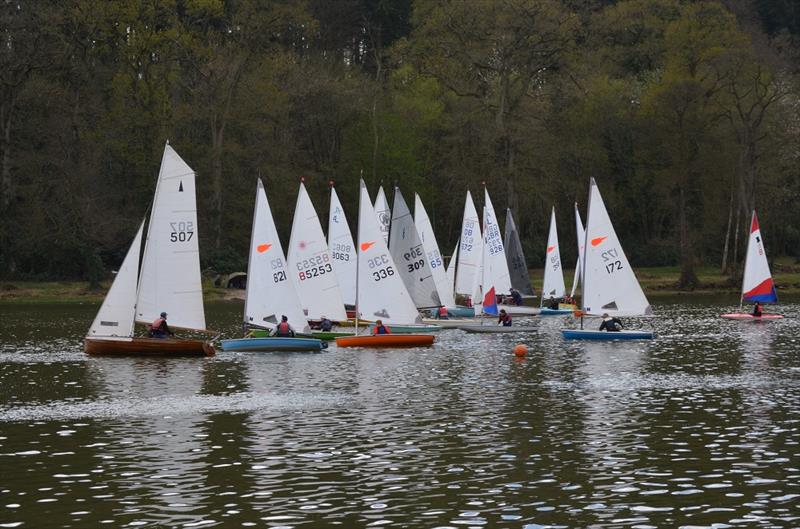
(283,329)
(325,324)
(159,328)
(610,324)
(757,310)
(516,296)
(504,318)
(380,328)
(441,314)
(552,303)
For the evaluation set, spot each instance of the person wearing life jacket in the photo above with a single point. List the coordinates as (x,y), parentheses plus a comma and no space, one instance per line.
(517,297)
(610,324)
(442,313)
(325,325)
(159,328)
(757,310)
(283,329)
(380,328)
(504,318)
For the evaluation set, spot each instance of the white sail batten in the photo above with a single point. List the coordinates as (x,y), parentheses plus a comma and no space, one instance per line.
(381,293)
(116,314)
(270,292)
(470,251)
(609,283)
(553,283)
(343,250)
(170,278)
(409,255)
(444,285)
(495,266)
(311,266)
(517,266)
(383,214)
(581,241)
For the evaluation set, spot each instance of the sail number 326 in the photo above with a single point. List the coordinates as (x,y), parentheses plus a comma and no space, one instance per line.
(611,260)
(181,231)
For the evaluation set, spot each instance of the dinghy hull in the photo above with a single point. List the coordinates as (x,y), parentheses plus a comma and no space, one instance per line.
(147,347)
(750,317)
(272,344)
(491,329)
(386,340)
(518,310)
(461,312)
(585,334)
(555,312)
(410,329)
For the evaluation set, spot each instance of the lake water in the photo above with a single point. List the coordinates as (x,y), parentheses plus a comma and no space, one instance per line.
(699,428)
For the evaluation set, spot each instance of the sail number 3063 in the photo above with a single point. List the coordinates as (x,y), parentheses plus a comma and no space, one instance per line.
(611,260)
(181,231)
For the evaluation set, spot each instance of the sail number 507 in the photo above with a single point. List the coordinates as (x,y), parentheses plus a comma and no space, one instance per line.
(181,231)
(611,258)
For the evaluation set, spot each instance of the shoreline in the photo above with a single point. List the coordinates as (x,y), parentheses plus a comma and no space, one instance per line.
(656,283)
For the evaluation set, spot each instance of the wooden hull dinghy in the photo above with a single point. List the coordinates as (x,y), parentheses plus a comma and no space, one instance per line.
(112,346)
(272,344)
(750,317)
(410,329)
(585,334)
(387,340)
(493,329)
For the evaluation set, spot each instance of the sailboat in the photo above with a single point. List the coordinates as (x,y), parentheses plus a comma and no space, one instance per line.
(581,237)
(757,285)
(169,280)
(495,278)
(553,282)
(380,293)
(444,288)
(517,266)
(383,214)
(470,252)
(343,250)
(311,265)
(270,293)
(609,283)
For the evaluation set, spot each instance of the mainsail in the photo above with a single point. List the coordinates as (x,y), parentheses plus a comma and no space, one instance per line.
(444,286)
(383,214)
(470,251)
(757,283)
(517,267)
(553,283)
(343,251)
(581,241)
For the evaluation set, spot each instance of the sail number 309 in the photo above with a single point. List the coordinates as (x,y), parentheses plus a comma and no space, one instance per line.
(181,231)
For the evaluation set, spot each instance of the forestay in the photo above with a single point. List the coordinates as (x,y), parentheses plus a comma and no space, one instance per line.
(115,317)
(270,292)
(383,214)
(409,255)
(311,266)
(170,278)
(381,293)
(757,283)
(517,267)
(343,251)
(495,267)
(444,286)
(581,241)
(470,251)
(553,283)
(609,286)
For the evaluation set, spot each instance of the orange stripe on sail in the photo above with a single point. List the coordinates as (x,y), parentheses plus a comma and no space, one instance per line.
(598,240)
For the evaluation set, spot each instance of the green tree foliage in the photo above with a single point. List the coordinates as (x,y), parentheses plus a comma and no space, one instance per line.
(687,118)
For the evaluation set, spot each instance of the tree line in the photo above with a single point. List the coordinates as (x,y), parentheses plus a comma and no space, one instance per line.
(686,112)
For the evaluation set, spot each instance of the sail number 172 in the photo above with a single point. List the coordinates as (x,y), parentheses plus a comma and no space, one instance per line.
(611,258)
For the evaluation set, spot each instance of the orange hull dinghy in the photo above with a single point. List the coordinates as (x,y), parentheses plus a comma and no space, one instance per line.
(386,340)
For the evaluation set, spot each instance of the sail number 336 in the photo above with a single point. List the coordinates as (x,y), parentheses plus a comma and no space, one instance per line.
(381,269)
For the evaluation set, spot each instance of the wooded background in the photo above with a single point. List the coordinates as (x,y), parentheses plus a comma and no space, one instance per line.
(686,112)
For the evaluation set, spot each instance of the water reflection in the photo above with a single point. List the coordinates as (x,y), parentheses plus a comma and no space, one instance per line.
(695,429)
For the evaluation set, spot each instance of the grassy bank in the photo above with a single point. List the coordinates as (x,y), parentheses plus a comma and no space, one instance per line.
(655,281)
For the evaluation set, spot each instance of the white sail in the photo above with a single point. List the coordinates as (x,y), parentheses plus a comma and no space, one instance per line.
(444,285)
(270,291)
(517,266)
(581,241)
(410,257)
(170,278)
(115,317)
(451,269)
(343,250)
(381,293)
(311,266)
(470,251)
(495,266)
(553,283)
(383,213)
(609,284)
(757,282)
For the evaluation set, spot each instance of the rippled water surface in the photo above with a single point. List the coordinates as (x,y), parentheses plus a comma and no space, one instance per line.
(699,428)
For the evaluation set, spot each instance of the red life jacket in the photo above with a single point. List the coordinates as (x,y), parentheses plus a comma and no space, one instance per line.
(283,328)
(442,311)
(156,325)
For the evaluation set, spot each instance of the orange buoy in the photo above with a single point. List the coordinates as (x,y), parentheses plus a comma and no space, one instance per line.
(520,350)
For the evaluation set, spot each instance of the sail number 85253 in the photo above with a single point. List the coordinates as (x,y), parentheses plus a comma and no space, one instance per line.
(181,231)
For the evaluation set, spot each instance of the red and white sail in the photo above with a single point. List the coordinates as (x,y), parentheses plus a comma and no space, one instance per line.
(757,284)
